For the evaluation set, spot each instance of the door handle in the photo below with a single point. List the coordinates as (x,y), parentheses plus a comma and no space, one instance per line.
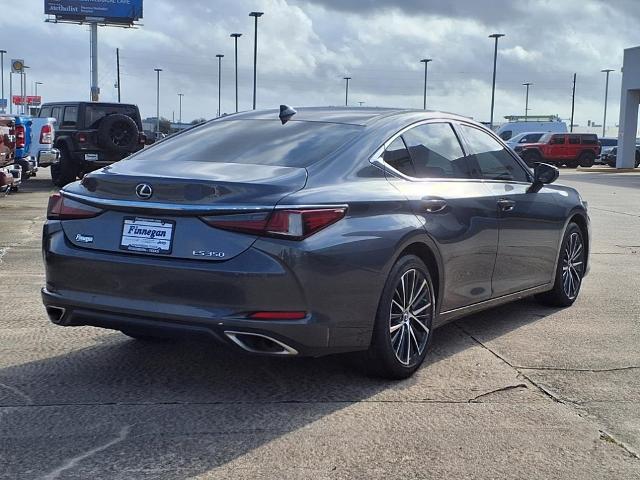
(433,206)
(506,205)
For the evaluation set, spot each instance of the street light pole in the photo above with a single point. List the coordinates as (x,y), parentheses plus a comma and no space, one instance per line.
(526,101)
(180,95)
(606,98)
(496,36)
(219,81)
(346,92)
(157,70)
(36,84)
(2,52)
(426,62)
(235,36)
(256,15)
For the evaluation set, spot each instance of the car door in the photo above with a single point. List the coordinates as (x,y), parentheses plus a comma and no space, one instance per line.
(530,223)
(429,168)
(559,148)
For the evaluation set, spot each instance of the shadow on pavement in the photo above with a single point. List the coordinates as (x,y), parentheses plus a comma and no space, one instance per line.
(221,404)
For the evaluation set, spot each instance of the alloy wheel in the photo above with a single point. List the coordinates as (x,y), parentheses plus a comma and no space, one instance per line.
(573,265)
(410,316)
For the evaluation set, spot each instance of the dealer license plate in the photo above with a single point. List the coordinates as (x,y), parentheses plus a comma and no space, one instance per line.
(147,235)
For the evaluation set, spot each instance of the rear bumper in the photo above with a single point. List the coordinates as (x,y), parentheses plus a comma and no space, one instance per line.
(47,158)
(175,297)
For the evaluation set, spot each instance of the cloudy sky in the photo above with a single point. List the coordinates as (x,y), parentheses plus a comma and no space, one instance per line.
(306,47)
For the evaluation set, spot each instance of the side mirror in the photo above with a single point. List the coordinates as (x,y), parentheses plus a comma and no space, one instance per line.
(543,174)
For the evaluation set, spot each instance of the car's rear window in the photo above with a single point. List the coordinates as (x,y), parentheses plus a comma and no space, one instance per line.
(258,142)
(589,139)
(94,113)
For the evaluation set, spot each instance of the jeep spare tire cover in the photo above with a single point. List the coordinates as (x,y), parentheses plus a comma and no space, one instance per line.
(118,133)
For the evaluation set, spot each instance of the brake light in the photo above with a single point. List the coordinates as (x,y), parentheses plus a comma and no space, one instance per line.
(277,315)
(46,134)
(21,136)
(61,208)
(142,139)
(295,224)
(82,137)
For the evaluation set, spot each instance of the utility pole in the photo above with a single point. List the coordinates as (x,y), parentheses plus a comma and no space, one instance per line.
(606,98)
(180,95)
(256,15)
(236,36)
(426,62)
(2,52)
(10,92)
(495,36)
(346,92)
(36,84)
(118,71)
(219,81)
(573,102)
(526,101)
(95,90)
(157,70)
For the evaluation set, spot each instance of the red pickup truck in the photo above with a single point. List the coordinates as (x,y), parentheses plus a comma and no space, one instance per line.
(570,149)
(7,152)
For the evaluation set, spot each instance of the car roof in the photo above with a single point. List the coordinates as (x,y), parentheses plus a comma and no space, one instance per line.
(109,104)
(362,116)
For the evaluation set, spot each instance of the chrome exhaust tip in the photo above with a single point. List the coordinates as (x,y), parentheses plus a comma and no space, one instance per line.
(258,343)
(55,314)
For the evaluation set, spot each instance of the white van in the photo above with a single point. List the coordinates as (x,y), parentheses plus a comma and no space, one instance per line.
(510,129)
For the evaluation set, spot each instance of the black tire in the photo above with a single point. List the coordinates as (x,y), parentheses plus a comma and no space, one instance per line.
(637,159)
(572,164)
(587,159)
(25,166)
(566,291)
(118,133)
(531,158)
(65,171)
(382,359)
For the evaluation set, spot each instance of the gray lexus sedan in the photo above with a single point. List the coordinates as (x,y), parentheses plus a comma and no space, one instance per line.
(320,231)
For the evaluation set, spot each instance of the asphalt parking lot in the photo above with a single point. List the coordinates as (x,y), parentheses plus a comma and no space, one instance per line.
(521,391)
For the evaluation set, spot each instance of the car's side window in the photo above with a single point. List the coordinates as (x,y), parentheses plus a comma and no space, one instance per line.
(45,112)
(57,114)
(557,140)
(494,161)
(70,119)
(397,156)
(436,151)
(574,140)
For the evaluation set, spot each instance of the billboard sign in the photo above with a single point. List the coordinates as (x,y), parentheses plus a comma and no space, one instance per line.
(108,11)
(28,100)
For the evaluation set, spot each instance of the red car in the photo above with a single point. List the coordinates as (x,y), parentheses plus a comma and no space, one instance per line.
(570,149)
(7,151)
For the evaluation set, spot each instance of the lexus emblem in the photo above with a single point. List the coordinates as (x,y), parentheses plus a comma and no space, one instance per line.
(144,191)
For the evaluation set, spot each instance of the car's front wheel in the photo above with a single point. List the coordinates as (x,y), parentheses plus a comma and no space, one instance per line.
(403,326)
(570,270)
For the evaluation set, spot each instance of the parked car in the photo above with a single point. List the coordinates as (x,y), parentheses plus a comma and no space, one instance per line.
(343,229)
(611,157)
(9,174)
(42,137)
(606,144)
(527,137)
(92,135)
(570,149)
(511,129)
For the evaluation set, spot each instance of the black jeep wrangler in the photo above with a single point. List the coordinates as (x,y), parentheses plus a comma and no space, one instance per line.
(92,135)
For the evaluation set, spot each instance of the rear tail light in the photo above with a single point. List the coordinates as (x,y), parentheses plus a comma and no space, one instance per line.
(295,224)
(46,134)
(81,137)
(21,137)
(142,139)
(61,208)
